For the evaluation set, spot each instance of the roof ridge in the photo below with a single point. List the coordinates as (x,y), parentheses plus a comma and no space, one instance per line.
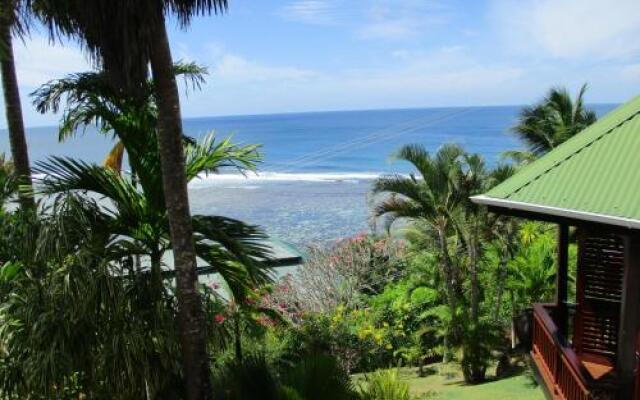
(590,143)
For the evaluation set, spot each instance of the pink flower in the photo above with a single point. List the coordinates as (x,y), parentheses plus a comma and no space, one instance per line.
(219,318)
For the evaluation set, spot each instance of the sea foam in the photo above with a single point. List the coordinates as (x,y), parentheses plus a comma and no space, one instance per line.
(270,176)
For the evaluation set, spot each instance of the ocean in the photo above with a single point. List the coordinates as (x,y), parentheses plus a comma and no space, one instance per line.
(314,184)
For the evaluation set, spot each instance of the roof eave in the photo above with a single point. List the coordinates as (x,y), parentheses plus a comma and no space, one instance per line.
(557,211)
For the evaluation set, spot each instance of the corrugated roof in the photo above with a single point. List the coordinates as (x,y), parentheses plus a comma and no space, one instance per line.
(595,174)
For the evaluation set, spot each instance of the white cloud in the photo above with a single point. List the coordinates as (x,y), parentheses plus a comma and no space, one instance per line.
(234,69)
(400,19)
(570,29)
(310,11)
(446,76)
(38,61)
(389,29)
(370,19)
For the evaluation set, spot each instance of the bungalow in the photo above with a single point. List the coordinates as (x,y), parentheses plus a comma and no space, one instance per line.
(589,186)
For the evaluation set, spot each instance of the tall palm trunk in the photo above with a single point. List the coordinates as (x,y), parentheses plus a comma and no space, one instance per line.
(474,281)
(505,256)
(447,269)
(13,109)
(191,316)
(474,252)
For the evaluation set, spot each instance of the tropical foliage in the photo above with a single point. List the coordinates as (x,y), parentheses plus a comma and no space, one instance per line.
(384,385)
(550,122)
(127,40)
(114,266)
(317,377)
(93,305)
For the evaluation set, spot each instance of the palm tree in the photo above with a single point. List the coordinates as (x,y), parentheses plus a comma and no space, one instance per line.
(11,22)
(552,121)
(89,99)
(474,227)
(125,37)
(136,226)
(431,198)
(117,331)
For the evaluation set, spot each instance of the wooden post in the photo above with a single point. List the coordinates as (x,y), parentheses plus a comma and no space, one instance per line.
(629,318)
(562,279)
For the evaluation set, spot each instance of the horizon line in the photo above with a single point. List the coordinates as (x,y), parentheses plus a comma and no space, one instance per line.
(326,111)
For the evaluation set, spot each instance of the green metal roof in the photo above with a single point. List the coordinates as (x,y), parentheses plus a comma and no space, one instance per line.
(594,176)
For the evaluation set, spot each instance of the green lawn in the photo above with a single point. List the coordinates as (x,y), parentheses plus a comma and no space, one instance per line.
(444,382)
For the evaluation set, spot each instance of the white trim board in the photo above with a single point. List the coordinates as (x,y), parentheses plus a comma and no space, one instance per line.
(557,211)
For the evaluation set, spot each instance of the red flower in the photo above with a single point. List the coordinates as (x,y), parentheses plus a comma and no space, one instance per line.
(219,318)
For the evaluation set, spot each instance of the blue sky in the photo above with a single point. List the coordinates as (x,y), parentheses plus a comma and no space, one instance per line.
(271,56)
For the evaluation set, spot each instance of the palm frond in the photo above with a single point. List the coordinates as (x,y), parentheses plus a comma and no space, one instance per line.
(410,188)
(417,155)
(192,73)
(237,251)
(66,175)
(186,9)
(519,157)
(553,120)
(209,156)
(396,207)
(500,173)
(245,243)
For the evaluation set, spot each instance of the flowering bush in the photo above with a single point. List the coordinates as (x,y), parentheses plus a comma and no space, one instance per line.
(355,301)
(342,274)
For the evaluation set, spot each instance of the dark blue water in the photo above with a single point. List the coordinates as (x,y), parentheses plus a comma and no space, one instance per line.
(354,141)
(315,181)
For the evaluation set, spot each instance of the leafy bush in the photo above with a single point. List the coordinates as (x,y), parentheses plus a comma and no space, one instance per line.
(246,380)
(399,326)
(317,377)
(320,377)
(384,385)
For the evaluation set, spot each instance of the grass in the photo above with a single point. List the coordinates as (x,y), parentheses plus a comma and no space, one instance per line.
(444,382)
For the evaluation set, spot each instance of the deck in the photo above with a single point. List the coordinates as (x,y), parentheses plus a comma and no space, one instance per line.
(566,375)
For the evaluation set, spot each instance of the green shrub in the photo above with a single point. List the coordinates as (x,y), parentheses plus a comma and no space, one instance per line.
(246,380)
(320,377)
(317,377)
(384,385)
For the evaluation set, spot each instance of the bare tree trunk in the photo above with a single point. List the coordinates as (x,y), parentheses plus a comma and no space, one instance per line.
(13,108)
(191,315)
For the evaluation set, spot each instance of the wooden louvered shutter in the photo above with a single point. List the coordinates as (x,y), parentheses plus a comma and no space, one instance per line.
(599,293)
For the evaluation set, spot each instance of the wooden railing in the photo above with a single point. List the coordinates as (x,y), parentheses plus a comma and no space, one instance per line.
(562,371)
